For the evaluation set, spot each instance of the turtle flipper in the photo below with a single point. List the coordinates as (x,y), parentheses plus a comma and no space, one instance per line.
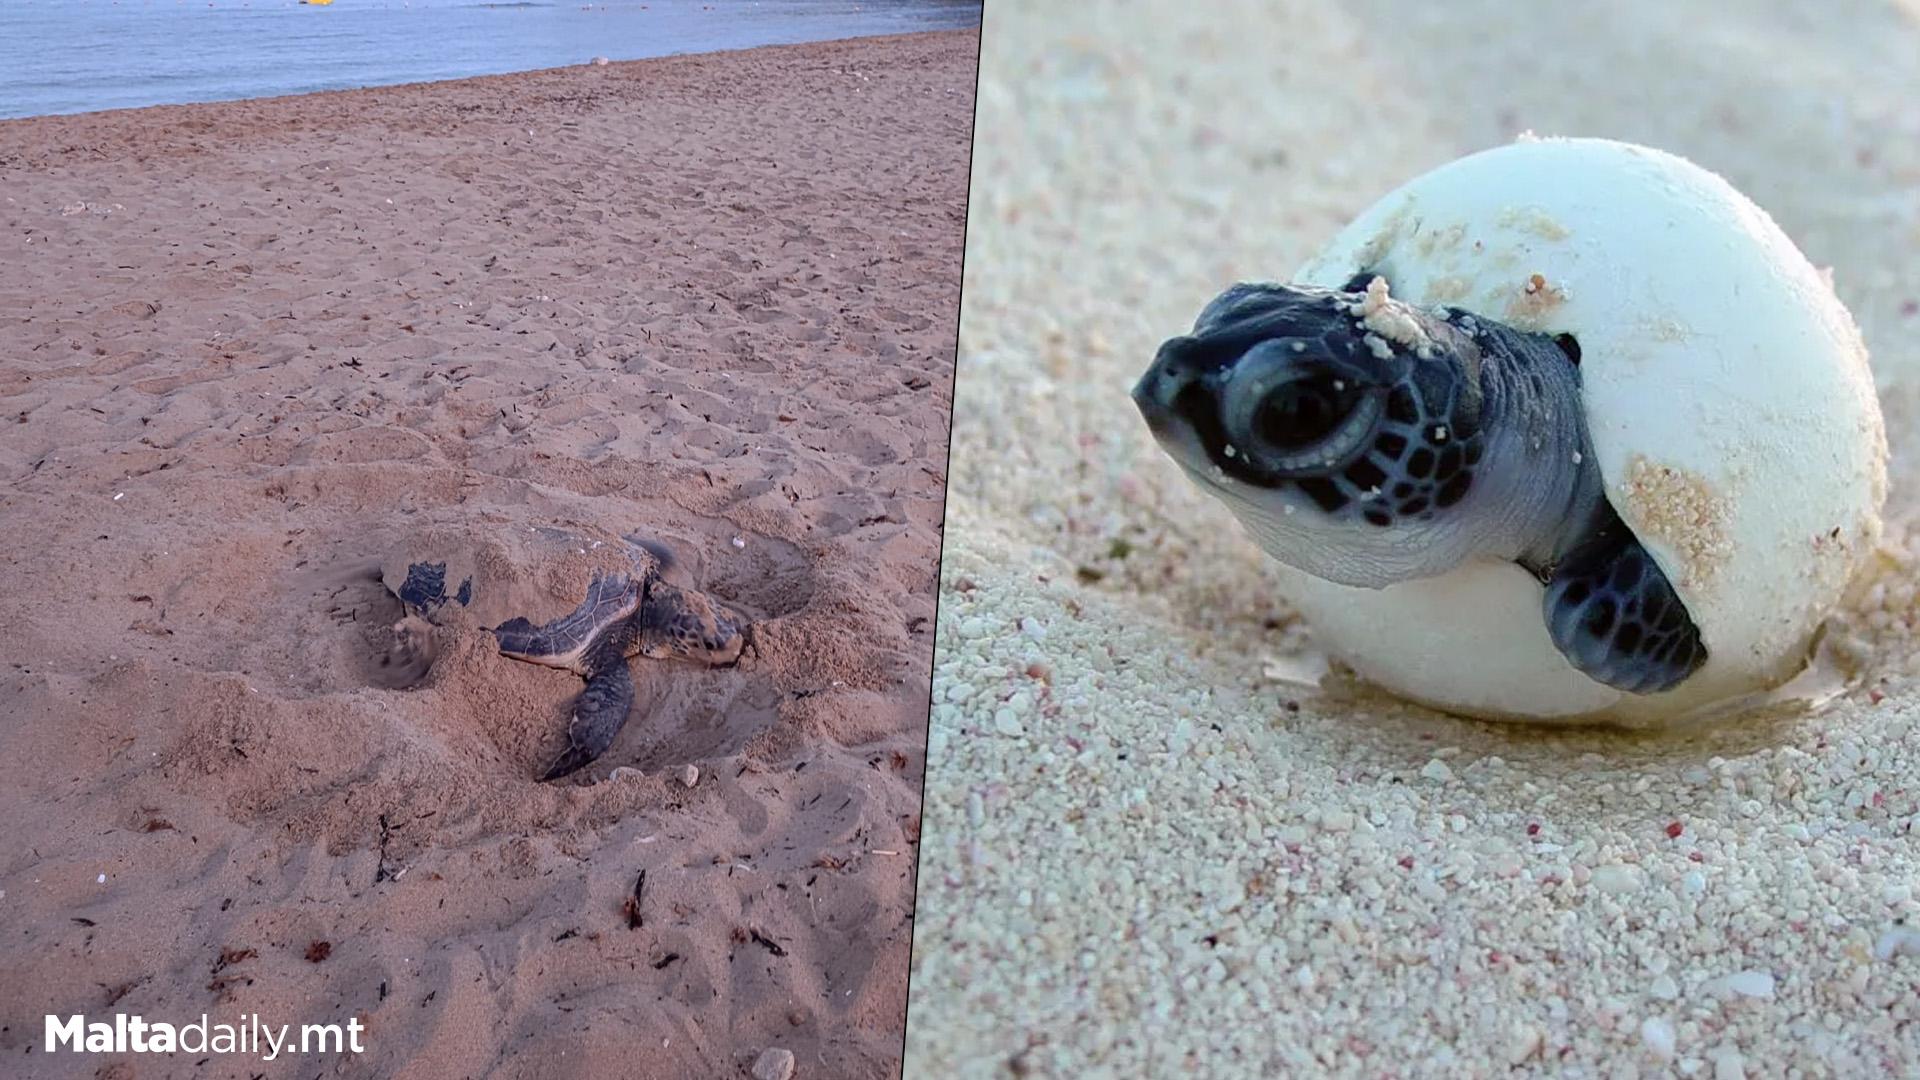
(1615,616)
(601,709)
(565,642)
(691,625)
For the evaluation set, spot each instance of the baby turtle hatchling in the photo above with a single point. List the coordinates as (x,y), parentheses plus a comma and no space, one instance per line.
(1565,430)
(1369,441)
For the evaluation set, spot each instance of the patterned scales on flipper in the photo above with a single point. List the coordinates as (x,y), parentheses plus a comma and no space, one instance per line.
(601,709)
(426,587)
(592,641)
(622,616)
(567,642)
(1616,617)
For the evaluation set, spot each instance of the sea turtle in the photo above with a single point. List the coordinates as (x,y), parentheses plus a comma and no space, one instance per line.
(628,611)
(1368,442)
(1592,379)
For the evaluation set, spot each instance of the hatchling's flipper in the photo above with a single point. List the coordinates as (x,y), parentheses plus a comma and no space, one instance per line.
(598,713)
(566,641)
(1614,615)
(690,625)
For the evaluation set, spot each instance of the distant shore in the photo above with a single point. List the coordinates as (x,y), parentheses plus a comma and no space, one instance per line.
(152,52)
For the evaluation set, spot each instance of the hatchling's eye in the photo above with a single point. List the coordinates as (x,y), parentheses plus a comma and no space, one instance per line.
(1301,413)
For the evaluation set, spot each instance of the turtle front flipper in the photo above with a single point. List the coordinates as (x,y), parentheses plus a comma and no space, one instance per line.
(691,625)
(1616,617)
(567,641)
(601,709)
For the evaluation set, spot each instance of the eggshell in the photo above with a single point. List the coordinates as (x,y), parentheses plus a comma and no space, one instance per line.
(1732,411)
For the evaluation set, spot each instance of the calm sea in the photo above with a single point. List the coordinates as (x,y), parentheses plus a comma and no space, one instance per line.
(63,56)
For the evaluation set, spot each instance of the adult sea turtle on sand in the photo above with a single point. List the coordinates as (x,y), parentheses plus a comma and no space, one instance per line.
(629,610)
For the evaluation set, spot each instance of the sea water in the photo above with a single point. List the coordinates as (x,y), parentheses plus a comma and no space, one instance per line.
(63,56)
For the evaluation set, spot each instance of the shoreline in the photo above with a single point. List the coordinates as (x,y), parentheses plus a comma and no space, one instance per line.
(558,71)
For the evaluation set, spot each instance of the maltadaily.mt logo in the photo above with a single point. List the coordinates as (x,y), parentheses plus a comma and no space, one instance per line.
(250,1036)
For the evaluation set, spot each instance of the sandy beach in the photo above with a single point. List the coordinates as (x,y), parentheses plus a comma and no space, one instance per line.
(251,351)
(1156,844)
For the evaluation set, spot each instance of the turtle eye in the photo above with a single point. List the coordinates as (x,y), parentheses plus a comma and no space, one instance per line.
(1306,422)
(1290,417)
(1300,414)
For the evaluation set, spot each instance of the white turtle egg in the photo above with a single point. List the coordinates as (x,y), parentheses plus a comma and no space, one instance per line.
(1731,408)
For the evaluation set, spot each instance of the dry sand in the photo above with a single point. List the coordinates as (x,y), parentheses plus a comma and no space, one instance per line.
(247,350)
(1149,851)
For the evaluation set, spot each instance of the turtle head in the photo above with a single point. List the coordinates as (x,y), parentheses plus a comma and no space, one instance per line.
(1340,426)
